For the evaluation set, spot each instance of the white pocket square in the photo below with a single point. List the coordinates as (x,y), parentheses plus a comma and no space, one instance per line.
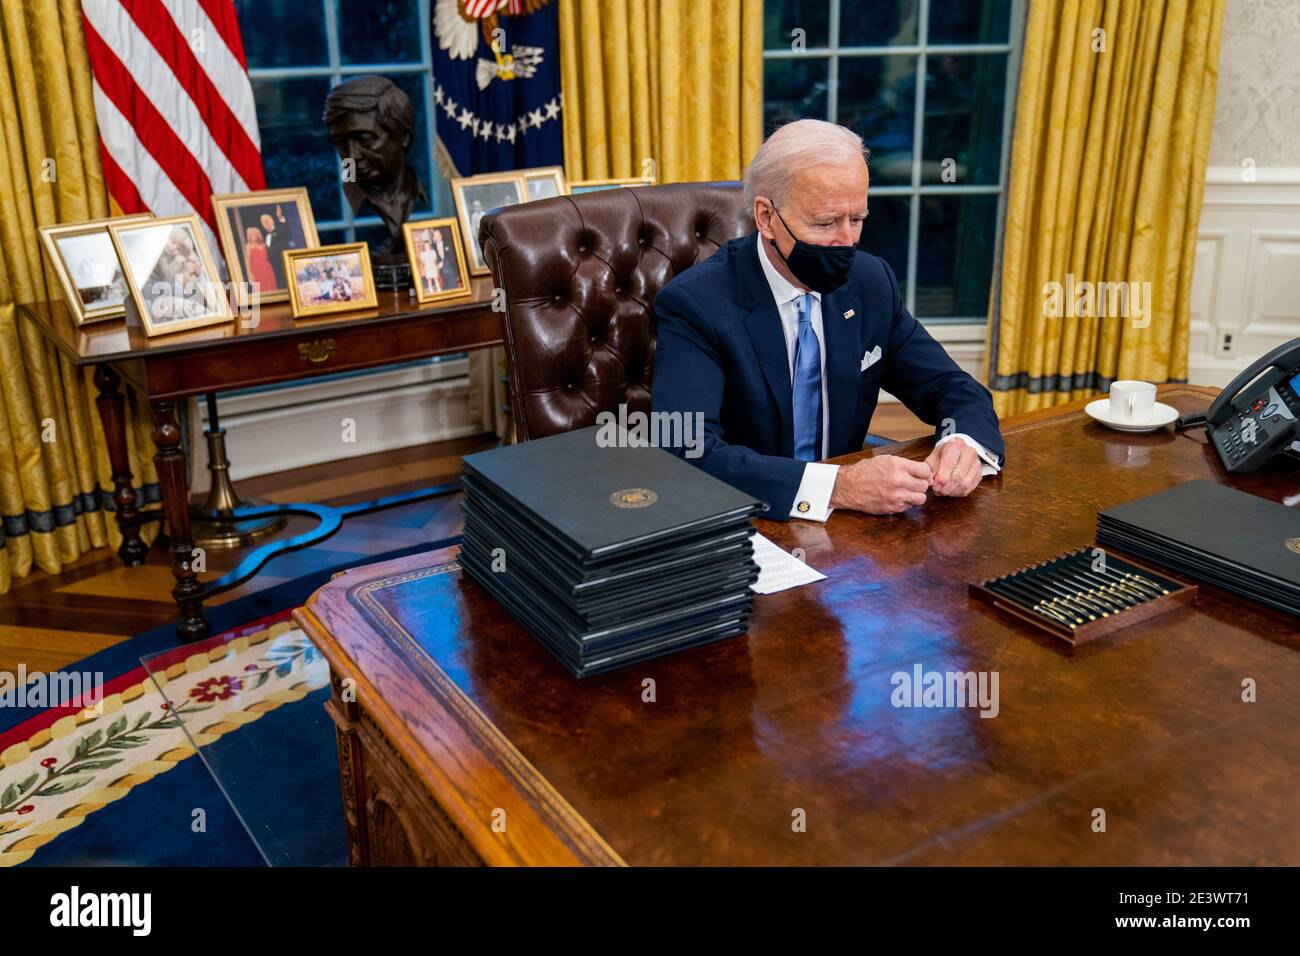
(870,358)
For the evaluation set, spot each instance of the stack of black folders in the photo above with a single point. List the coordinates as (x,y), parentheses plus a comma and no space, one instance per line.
(1215,534)
(608,555)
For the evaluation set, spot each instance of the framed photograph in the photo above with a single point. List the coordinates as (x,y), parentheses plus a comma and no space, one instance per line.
(544,181)
(86,263)
(330,279)
(596,185)
(437,259)
(256,229)
(475,197)
(170,274)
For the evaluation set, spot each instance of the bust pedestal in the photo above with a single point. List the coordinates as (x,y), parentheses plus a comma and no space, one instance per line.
(392,271)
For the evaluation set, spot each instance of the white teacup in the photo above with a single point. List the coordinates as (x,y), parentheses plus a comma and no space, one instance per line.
(1132,401)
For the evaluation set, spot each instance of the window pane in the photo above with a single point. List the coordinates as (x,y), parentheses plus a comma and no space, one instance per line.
(878,22)
(332,237)
(964,106)
(885,233)
(781,17)
(296,147)
(954,257)
(279,33)
(379,31)
(970,21)
(793,89)
(877,101)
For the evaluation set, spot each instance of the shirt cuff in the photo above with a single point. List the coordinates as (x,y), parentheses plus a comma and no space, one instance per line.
(813,499)
(988,461)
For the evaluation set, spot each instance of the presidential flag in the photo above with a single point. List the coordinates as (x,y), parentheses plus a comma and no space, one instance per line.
(173,103)
(496,76)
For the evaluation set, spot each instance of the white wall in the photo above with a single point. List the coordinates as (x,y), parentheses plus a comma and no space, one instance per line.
(1246,284)
(305,424)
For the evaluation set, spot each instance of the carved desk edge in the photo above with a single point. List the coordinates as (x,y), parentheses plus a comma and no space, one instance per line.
(480,770)
(483,768)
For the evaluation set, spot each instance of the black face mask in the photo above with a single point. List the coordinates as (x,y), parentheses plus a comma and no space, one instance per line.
(821,268)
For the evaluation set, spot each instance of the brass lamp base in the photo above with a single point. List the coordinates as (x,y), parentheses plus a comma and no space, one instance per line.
(222,532)
(215,526)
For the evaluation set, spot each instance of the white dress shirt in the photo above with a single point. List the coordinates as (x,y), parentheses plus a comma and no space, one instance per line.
(812,500)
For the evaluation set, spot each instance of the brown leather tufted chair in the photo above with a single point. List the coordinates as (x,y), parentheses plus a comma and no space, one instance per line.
(580,275)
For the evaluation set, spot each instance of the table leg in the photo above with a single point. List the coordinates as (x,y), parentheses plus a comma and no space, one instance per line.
(170,461)
(112,414)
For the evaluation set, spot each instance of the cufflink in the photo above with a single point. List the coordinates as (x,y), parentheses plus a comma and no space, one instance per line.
(803,507)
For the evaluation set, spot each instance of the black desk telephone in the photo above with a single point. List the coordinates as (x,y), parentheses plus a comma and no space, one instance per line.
(1250,425)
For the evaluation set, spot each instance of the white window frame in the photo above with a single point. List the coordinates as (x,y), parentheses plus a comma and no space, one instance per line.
(345,229)
(833,52)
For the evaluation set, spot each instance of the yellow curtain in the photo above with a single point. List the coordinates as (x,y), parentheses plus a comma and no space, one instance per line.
(1112,136)
(670,87)
(53,460)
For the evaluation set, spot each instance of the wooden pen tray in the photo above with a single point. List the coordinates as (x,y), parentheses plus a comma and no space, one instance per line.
(1072,599)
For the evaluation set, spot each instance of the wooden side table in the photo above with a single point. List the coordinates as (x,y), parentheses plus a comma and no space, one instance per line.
(273,348)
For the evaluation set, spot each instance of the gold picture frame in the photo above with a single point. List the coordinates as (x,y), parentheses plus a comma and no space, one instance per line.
(471,208)
(233,212)
(540,177)
(579,186)
(312,303)
(170,273)
(422,259)
(91,259)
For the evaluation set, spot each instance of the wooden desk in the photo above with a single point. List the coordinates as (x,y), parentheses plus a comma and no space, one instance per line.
(269,347)
(450,716)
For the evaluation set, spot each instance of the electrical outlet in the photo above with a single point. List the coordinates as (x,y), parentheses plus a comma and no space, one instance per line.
(1226,346)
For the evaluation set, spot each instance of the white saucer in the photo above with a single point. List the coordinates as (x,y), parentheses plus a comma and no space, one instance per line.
(1161,415)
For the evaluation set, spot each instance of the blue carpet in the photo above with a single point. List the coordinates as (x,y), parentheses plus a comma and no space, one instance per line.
(289,795)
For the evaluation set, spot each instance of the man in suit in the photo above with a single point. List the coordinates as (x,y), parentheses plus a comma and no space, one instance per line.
(783,339)
(280,235)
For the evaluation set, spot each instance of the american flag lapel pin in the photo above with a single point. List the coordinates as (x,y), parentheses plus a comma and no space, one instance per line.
(848,314)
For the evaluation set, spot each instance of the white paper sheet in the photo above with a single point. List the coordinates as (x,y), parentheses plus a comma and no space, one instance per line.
(778,569)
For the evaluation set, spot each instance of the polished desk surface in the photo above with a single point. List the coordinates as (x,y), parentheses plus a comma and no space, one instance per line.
(1147,724)
(120,339)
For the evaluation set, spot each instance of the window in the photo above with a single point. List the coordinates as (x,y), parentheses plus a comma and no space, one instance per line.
(297,51)
(929,85)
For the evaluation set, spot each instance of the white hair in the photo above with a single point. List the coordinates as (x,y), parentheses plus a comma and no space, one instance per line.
(794,146)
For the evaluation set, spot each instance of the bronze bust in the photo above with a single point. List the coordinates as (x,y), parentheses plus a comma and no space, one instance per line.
(371,122)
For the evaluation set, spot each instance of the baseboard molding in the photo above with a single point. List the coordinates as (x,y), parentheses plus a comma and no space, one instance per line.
(283,429)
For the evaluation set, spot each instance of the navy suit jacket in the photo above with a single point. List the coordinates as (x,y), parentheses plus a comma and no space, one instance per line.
(721,351)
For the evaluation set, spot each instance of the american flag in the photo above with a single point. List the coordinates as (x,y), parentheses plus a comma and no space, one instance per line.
(482,8)
(174,104)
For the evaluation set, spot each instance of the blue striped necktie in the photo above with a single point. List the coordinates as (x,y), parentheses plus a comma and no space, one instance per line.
(807,395)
